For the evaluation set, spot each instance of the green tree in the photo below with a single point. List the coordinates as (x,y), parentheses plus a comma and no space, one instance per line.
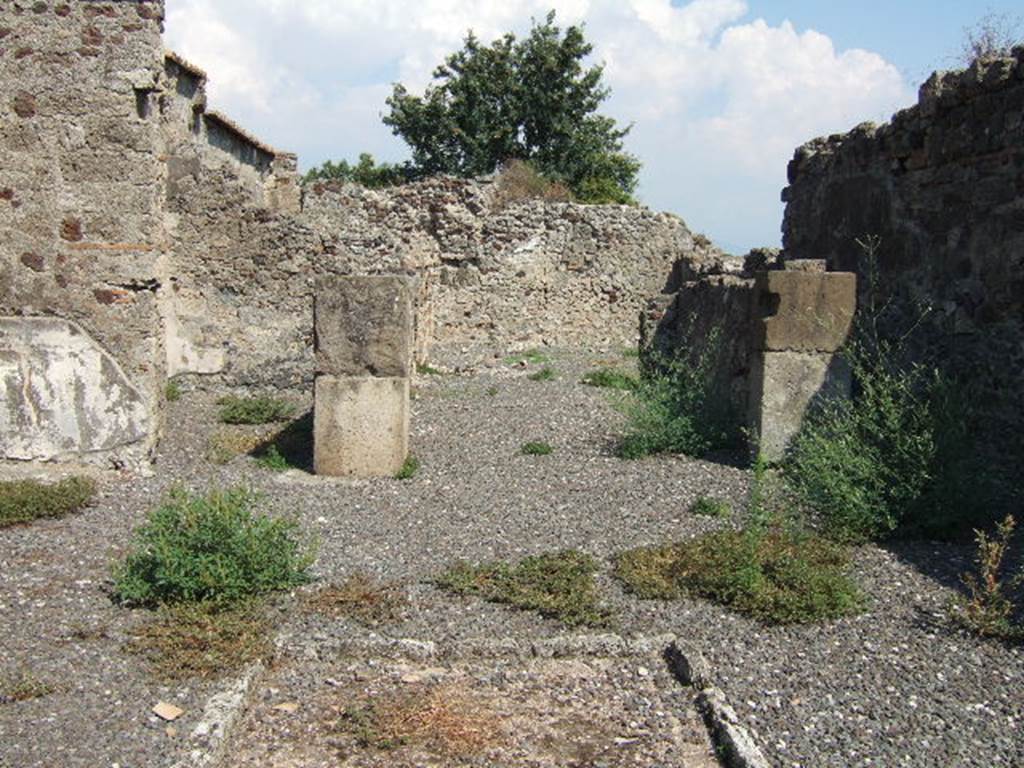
(531,100)
(366,172)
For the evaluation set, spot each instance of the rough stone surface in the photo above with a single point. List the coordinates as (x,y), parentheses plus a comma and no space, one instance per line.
(806,311)
(361,425)
(363,326)
(941,186)
(62,394)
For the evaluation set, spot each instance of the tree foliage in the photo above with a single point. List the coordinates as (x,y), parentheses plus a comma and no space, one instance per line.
(367,172)
(531,100)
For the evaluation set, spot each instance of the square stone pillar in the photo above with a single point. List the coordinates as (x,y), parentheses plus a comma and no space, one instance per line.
(803,315)
(364,342)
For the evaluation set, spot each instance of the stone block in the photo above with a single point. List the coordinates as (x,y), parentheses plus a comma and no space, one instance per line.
(785,386)
(804,311)
(61,394)
(364,326)
(360,425)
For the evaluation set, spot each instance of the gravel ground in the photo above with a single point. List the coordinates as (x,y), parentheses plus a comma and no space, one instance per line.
(895,686)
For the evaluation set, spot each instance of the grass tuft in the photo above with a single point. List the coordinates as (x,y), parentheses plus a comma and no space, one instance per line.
(778,576)
(558,585)
(607,378)
(172,391)
(530,357)
(22,501)
(425,369)
(212,549)
(536,449)
(705,506)
(260,409)
(201,641)
(272,459)
(547,373)
(362,598)
(410,467)
(23,686)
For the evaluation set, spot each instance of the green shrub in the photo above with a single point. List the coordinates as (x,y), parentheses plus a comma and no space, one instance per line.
(210,548)
(559,585)
(677,408)
(272,459)
(260,409)
(547,373)
(607,378)
(778,576)
(172,391)
(22,501)
(706,506)
(988,610)
(410,467)
(536,449)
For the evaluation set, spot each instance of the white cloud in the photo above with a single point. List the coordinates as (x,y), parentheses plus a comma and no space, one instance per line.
(719,100)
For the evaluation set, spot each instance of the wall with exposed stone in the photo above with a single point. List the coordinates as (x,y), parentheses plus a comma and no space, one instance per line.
(81,228)
(942,185)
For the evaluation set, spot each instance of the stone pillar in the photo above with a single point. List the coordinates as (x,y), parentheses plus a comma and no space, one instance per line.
(803,315)
(364,335)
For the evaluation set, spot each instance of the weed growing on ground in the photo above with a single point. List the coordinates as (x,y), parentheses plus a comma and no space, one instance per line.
(610,379)
(224,445)
(559,585)
(23,686)
(491,391)
(272,459)
(706,506)
(536,449)
(22,501)
(444,720)
(259,409)
(210,548)
(779,576)
(988,609)
(631,353)
(202,640)
(547,373)
(676,407)
(362,598)
(410,467)
(172,391)
(531,357)
(425,369)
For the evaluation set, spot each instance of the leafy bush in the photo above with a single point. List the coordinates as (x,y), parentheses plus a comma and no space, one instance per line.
(210,548)
(536,449)
(676,408)
(778,576)
(22,501)
(260,409)
(559,585)
(410,467)
(988,610)
(608,378)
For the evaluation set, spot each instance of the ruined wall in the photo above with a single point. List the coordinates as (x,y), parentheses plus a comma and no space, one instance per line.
(942,185)
(81,228)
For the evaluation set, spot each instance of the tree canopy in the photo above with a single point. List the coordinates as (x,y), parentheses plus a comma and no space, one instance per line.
(531,100)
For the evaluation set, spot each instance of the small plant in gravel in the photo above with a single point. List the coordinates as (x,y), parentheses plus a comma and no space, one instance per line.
(677,408)
(172,391)
(530,357)
(190,640)
(558,585)
(608,378)
(425,369)
(362,598)
(272,459)
(536,449)
(22,501)
(410,467)
(491,391)
(23,686)
(225,444)
(444,720)
(778,576)
(706,506)
(258,409)
(988,608)
(547,373)
(210,548)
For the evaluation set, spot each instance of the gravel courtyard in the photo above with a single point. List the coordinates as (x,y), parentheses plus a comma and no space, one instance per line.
(894,686)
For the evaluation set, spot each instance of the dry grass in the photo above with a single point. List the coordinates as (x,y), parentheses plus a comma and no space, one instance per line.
(22,501)
(188,641)
(519,181)
(225,444)
(445,720)
(362,598)
(23,686)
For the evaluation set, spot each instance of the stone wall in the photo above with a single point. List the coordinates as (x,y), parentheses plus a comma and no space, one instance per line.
(942,186)
(81,225)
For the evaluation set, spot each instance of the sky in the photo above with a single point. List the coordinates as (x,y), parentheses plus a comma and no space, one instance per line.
(719,92)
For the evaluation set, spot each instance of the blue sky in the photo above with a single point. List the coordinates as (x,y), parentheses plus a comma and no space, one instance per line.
(720,91)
